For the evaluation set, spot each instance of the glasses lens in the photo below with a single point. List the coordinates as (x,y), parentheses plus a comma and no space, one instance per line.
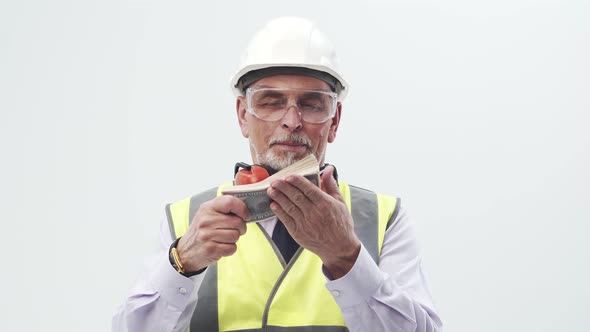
(273,104)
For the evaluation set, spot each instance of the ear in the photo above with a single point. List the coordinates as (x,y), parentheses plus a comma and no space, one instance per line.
(335,123)
(241,112)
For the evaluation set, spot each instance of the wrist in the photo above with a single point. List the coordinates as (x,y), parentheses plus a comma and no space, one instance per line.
(176,262)
(339,265)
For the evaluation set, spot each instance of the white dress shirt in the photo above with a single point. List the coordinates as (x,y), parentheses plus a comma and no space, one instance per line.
(390,296)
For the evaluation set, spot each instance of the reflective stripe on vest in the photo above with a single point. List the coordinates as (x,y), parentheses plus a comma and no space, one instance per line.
(253,290)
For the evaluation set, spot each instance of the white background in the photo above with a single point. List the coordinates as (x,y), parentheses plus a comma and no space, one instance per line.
(475,113)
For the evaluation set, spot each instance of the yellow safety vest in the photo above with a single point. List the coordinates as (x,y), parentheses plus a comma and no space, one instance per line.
(254,290)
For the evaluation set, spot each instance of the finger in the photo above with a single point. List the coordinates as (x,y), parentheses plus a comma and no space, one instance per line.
(330,183)
(293,193)
(286,204)
(242,227)
(215,250)
(226,249)
(312,192)
(230,204)
(230,222)
(226,236)
(284,217)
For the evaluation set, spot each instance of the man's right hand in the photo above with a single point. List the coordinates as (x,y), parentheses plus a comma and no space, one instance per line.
(213,233)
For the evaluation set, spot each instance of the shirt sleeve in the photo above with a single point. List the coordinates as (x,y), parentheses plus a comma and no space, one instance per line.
(161,299)
(390,296)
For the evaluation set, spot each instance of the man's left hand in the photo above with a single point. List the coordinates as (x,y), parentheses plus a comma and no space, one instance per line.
(319,221)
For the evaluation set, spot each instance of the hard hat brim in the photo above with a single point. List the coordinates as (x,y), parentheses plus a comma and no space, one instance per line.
(237,89)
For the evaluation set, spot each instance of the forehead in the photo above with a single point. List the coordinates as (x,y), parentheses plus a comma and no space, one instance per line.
(300,82)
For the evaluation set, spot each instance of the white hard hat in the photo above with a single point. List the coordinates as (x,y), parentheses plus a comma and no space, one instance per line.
(289,45)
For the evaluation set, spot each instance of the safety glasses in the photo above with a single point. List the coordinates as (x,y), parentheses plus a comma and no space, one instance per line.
(271,104)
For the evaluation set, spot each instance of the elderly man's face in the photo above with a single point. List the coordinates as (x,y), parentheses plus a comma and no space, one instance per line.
(280,143)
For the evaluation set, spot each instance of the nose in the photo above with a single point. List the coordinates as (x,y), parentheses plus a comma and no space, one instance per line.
(292,119)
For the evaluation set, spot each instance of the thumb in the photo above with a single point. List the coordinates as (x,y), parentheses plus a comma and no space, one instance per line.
(330,183)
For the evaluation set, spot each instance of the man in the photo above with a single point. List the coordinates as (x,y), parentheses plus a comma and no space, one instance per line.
(339,258)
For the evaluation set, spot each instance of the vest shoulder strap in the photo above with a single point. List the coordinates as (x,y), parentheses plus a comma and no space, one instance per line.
(372,215)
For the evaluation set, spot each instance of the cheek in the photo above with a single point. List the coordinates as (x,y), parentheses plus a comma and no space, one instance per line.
(320,137)
(259,134)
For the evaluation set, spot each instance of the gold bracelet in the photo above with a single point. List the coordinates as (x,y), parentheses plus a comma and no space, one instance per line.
(177,260)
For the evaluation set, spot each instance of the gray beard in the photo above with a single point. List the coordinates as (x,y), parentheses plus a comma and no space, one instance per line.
(275,162)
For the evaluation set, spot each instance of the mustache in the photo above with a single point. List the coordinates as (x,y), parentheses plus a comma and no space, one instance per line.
(292,138)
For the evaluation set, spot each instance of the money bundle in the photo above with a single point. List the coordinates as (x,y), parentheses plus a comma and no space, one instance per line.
(255,197)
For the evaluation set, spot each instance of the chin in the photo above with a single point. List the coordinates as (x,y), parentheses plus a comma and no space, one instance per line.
(277,162)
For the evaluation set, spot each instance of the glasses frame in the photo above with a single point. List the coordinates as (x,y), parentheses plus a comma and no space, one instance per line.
(251,91)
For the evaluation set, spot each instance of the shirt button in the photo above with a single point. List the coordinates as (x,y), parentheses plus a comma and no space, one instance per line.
(182,290)
(336,293)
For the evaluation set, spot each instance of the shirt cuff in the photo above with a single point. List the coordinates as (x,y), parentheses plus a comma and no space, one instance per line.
(359,284)
(173,287)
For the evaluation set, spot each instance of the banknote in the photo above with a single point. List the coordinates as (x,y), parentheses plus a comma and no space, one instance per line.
(258,202)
